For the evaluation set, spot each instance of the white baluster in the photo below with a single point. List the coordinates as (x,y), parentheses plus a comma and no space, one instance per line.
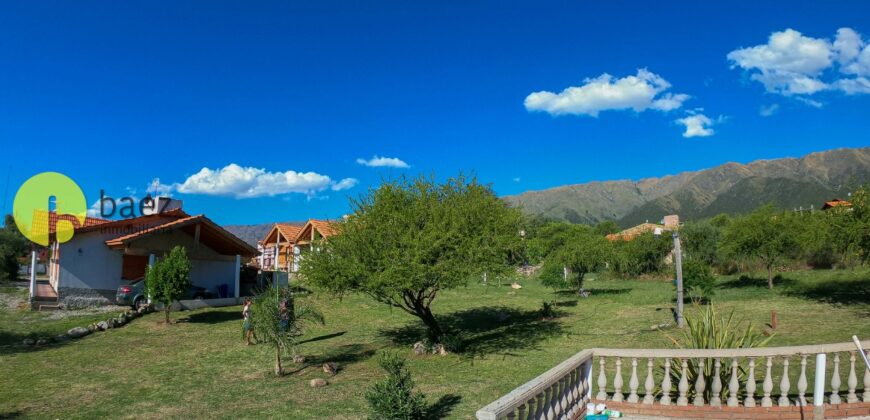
(867,385)
(802,382)
(602,381)
(716,386)
(531,409)
(750,385)
(852,382)
(767,386)
(700,385)
(683,386)
(552,401)
(834,398)
(784,384)
(666,384)
(733,385)
(522,412)
(649,384)
(539,405)
(617,382)
(633,382)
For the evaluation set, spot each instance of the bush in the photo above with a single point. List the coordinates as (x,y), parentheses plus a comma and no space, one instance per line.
(644,254)
(167,280)
(394,397)
(698,280)
(706,329)
(549,309)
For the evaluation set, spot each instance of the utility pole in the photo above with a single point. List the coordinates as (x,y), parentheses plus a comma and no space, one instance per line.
(678,262)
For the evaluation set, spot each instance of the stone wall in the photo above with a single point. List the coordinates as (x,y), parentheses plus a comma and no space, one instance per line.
(78,298)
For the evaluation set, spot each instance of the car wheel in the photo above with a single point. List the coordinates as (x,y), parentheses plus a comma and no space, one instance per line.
(140,302)
(197,297)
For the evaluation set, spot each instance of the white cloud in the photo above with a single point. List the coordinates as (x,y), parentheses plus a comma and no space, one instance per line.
(379,161)
(94,210)
(697,125)
(248,182)
(768,110)
(344,184)
(645,90)
(792,64)
(788,64)
(854,86)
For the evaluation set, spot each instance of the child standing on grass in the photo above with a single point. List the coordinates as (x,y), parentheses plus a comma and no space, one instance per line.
(247,326)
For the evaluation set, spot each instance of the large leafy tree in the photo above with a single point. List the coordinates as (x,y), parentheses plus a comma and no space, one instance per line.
(584,252)
(167,280)
(12,246)
(409,239)
(701,240)
(766,234)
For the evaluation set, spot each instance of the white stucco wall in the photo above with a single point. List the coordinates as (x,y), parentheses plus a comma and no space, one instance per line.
(98,268)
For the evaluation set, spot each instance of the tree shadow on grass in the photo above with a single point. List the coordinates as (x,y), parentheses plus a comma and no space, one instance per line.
(212,317)
(485,330)
(442,408)
(592,292)
(341,356)
(757,282)
(322,337)
(843,292)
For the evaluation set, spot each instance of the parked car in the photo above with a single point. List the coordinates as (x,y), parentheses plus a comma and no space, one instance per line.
(133,293)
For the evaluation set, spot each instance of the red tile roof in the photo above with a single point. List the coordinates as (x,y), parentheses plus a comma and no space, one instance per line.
(213,236)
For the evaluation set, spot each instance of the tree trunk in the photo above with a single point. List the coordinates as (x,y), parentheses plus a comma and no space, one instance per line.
(166,311)
(770,276)
(580,276)
(279,371)
(434,330)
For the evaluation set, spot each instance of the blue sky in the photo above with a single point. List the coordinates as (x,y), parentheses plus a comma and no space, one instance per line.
(116,94)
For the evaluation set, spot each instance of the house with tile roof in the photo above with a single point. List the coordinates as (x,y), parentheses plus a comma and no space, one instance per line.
(285,244)
(102,255)
(277,247)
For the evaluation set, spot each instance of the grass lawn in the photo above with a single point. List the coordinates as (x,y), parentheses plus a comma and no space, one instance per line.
(199,367)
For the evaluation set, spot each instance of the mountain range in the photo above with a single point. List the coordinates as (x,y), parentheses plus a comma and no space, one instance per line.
(729,188)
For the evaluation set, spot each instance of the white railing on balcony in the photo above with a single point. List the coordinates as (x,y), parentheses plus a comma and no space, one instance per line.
(668,377)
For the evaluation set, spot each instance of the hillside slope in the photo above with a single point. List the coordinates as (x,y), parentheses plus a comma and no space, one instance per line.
(729,188)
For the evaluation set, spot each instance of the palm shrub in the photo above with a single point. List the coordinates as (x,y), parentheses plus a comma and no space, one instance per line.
(266,319)
(707,329)
(394,398)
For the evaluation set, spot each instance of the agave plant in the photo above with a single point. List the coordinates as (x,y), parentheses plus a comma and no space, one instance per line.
(707,329)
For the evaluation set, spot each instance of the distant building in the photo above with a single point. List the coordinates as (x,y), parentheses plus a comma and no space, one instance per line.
(836,203)
(669,223)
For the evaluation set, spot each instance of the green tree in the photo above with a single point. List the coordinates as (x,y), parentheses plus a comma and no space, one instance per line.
(699,280)
(701,241)
(606,227)
(766,234)
(281,327)
(394,397)
(583,253)
(552,236)
(407,240)
(643,254)
(12,246)
(167,280)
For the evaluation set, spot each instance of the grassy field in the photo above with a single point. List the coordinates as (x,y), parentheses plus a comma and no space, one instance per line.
(200,368)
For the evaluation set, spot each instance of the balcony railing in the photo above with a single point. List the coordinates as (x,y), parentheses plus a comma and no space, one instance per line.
(665,377)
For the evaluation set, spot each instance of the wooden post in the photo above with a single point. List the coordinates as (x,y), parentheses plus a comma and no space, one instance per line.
(678,262)
(773,320)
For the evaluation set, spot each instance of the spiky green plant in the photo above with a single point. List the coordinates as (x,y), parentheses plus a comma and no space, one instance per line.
(266,318)
(707,329)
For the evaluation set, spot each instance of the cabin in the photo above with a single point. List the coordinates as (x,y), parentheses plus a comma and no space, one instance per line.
(104,254)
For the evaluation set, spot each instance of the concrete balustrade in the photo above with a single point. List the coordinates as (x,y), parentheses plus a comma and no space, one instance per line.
(706,378)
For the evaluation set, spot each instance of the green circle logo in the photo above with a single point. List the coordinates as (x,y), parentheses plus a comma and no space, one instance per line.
(31,209)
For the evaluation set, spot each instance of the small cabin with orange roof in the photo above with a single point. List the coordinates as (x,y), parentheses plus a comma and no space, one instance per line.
(309,235)
(278,247)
